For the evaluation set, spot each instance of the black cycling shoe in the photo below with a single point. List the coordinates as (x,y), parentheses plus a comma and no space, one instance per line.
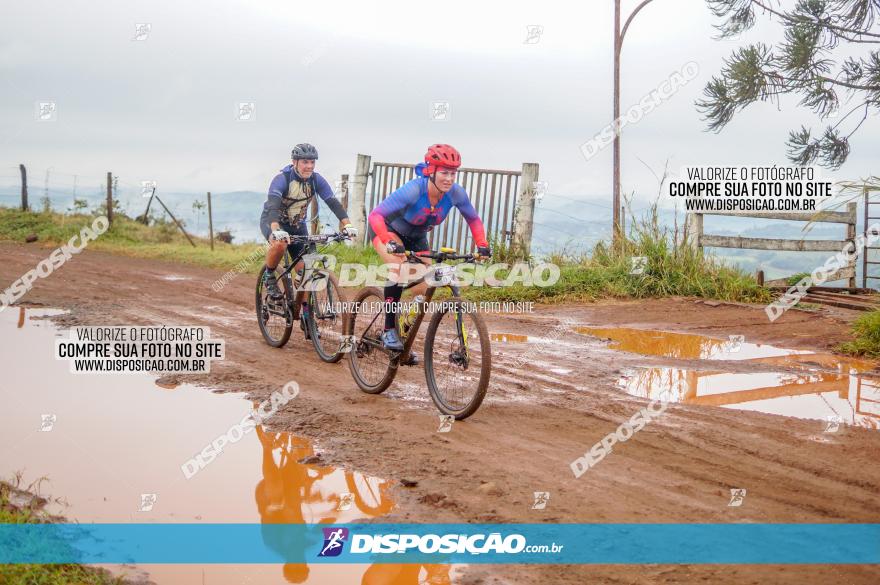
(271,284)
(390,340)
(412,360)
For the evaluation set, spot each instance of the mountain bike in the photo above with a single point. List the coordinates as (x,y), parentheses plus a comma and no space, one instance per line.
(458,359)
(311,297)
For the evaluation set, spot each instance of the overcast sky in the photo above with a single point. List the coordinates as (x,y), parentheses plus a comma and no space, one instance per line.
(355,77)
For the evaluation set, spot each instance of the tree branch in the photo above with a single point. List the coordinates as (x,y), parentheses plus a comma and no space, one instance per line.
(829,26)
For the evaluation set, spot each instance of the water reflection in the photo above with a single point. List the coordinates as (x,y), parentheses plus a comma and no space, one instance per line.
(825,385)
(683,345)
(295,493)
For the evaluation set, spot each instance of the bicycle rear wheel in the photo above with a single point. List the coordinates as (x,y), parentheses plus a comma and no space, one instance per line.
(275,316)
(372,367)
(326,321)
(458,361)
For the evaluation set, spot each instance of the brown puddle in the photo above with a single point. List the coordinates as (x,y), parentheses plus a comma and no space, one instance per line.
(115,445)
(825,387)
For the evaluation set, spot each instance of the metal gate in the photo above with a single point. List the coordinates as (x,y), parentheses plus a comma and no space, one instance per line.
(869,260)
(493,194)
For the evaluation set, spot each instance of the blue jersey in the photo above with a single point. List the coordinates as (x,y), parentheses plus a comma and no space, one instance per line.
(289,197)
(408,211)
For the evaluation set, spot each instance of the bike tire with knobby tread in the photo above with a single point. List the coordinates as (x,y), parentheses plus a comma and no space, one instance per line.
(313,325)
(288,329)
(386,380)
(485,365)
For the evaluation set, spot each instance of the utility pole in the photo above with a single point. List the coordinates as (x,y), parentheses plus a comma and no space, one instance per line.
(619,35)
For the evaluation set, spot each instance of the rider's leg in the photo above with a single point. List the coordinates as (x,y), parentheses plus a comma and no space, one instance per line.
(418,244)
(296,248)
(274,253)
(393,288)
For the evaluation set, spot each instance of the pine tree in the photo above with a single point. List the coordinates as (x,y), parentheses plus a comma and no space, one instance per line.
(802,64)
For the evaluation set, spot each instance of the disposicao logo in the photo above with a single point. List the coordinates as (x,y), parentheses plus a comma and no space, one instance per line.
(334,540)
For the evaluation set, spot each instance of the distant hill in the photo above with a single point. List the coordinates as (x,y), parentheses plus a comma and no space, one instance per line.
(560,223)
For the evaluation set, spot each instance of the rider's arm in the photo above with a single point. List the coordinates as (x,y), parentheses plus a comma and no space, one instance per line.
(274,201)
(461,200)
(325,192)
(397,201)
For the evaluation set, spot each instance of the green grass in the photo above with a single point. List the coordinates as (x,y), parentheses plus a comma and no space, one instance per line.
(161,240)
(57,574)
(673,267)
(866,330)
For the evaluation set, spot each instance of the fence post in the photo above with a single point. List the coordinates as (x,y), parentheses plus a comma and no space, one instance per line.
(343,195)
(695,230)
(525,208)
(316,224)
(179,225)
(358,214)
(110,198)
(852,209)
(24,193)
(210,222)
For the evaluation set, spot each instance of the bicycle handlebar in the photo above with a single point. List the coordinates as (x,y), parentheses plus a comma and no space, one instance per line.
(442,256)
(321,238)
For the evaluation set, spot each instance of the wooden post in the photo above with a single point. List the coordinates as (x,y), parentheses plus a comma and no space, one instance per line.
(760,277)
(525,208)
(343,195)
(146,216)
(24,193)
(210,222)
(358,212)
(110,198)
(852,209)
(695,230)
(168,211)
(316,225)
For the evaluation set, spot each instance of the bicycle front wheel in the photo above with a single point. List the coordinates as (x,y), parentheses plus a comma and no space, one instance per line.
(275,316)
(458,361)
(371,365)
(326,321)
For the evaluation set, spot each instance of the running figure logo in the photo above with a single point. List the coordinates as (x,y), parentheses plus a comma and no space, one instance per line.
(334,539)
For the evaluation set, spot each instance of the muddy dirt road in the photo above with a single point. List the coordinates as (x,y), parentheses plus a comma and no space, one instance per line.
(540,417)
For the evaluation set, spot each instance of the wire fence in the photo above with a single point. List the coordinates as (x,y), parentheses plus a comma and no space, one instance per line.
(238,213)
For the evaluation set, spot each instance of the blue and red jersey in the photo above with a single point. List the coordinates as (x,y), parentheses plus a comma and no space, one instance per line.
(408,211)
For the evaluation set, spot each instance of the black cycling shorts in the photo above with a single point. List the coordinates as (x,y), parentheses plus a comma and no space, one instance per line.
(417,243)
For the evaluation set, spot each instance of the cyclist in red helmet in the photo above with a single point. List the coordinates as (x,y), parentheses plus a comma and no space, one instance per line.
(402,221)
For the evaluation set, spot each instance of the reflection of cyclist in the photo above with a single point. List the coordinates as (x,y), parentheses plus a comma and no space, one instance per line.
(285,209)
(289,491)
(403,220)
(394,574)
(285,493)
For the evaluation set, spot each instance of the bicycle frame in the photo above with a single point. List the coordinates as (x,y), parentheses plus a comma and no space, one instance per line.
(420,315)
(310,248)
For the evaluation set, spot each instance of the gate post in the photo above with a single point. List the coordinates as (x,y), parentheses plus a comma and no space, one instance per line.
(525,209)
(357,208)
(851,208)
(695,230)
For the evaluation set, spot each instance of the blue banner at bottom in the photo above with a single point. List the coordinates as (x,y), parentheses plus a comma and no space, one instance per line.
(442,543)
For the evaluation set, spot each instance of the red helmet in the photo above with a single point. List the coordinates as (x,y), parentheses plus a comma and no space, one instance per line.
(441,155)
